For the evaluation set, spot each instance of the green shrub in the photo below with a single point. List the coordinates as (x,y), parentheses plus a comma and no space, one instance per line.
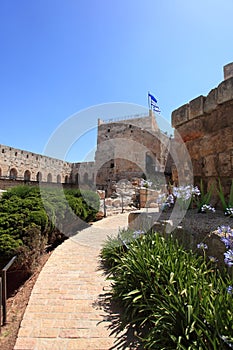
(33,217)
(9,245)
(172,297)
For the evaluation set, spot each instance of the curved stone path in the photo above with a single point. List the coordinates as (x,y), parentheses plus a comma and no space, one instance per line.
(66,309)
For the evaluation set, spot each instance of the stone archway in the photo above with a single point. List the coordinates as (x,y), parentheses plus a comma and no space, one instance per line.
(66,179)
(85,178)
(13,174)
(49,178)
(39,176)
(77,177)
(27,175)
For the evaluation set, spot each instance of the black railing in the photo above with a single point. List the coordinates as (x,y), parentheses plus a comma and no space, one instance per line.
(3,292)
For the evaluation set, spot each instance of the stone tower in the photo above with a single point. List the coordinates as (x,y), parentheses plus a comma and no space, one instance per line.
(129,148)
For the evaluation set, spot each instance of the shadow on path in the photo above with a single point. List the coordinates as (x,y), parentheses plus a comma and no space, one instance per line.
(125,337)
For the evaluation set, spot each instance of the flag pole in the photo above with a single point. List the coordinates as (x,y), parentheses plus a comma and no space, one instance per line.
(148,100)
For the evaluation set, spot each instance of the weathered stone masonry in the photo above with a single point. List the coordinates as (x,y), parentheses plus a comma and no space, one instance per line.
(125,149)
(130,148)
(206,126)
(16,164)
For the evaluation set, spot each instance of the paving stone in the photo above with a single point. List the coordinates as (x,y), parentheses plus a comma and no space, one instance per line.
(63,311)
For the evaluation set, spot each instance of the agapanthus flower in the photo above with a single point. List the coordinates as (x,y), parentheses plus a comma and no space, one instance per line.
(170,199)
(223,230)
(213,259)
(138,233)
(195,191)
(202,246)
(230,290)
(229,257)
(185,192)
(205,208)
(229,211)
(228,241)
(162,198)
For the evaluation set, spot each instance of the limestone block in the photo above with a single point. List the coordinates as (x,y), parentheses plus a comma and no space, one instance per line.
(228,70)
(116,202)
(108,201)
(211,101)
(225,91)
(196,107)
(180,115)
(224,163)
(211,165)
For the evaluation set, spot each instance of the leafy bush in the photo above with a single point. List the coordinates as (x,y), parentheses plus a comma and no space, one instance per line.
(173,298)
(31,218)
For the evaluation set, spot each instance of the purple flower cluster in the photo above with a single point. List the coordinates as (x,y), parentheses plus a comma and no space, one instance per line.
(165,200)
(226,234)
(202,246)
(186,192)
(138,234)
(229,257)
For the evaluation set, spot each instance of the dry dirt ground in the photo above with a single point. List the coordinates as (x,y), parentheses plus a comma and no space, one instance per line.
(16,305)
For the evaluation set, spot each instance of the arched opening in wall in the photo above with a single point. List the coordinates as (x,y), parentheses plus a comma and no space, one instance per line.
(27,176)
(39,176)
(13,174)
(77,179)
(58,179)
(66,179)
(150,165)
(49,178)
(0,172)
(85,178)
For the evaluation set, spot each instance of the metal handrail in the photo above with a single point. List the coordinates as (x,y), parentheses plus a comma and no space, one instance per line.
(3,292)
(0,303)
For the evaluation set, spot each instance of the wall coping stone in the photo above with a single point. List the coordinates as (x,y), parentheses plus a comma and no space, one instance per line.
(203,105)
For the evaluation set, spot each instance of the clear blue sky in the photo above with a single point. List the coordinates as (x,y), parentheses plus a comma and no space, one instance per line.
(62,56)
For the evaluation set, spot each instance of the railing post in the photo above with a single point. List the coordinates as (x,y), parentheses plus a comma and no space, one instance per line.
(4,296)
(0,303)
(4,289)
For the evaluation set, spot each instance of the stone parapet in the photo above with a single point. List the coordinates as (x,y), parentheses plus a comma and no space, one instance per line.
(225,91)
(180,115)
(203,105)
(205,125)
(228,70)
(196,107)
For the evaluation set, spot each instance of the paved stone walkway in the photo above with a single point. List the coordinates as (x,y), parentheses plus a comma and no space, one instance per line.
(65,310)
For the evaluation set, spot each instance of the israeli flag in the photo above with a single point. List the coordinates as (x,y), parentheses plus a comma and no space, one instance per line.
(153,103)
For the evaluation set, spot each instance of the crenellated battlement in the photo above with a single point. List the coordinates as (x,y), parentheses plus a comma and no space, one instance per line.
(206,126)
(203,105)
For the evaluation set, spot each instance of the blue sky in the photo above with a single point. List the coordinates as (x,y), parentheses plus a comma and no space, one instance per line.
(60,57)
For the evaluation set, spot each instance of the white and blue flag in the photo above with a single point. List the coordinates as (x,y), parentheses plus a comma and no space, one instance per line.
(153,103)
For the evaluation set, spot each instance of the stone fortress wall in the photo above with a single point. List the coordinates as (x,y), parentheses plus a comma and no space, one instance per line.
(206,126)
(140,152)
(17,164)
